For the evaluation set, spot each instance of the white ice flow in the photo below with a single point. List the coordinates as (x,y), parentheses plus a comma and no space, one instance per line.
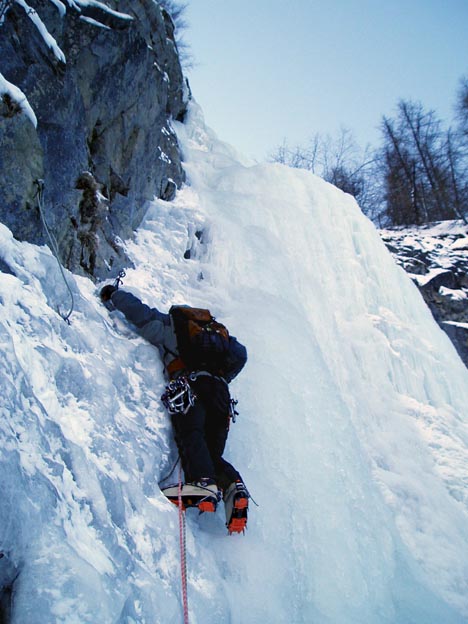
(352,435)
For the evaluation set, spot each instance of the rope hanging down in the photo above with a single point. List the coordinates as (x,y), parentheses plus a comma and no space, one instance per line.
(54,246)
(183,559)
(182,537)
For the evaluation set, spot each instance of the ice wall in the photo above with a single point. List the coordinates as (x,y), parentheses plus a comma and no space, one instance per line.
(352,436)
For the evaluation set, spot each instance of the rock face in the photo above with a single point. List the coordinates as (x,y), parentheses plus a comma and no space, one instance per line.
(104,144)
(436,258)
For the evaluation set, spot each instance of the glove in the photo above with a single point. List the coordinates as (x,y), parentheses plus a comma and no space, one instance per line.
(107,292)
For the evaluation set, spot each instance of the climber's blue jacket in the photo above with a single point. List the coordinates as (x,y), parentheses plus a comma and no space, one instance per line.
(158,329)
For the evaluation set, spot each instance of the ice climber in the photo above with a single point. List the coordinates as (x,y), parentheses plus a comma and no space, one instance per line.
(200,359)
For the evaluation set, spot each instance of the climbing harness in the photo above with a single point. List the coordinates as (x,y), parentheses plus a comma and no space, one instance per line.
(179,396)
(54,246)
(182,542)
(194,375)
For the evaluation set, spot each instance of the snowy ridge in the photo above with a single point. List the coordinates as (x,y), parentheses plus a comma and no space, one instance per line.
(352,435)
(12,90)
(49,40)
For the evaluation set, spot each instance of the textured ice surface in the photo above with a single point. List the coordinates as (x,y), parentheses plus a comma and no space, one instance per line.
(352,435)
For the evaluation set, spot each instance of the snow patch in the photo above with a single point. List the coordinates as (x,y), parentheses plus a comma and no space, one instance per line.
(94,22)
(60,7)
(49,40)
(456,295)
(99,5)
(15,93)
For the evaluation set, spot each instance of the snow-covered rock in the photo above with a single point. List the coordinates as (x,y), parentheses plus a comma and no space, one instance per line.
(100,87)
(436,258)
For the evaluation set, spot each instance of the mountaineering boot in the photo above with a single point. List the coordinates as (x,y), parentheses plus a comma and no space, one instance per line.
(203,494)
(236,504)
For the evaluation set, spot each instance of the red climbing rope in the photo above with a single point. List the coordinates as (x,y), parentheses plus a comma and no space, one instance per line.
(183,560)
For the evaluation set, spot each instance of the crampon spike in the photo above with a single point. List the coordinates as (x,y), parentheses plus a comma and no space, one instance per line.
(237,525)
(207,505)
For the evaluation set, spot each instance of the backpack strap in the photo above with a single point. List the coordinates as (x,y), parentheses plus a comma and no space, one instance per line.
(175,366)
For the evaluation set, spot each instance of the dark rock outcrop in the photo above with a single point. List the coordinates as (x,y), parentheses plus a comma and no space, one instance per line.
(436,258)
(104,144)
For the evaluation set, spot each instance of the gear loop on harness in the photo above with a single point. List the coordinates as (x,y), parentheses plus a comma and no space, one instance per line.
(179,396)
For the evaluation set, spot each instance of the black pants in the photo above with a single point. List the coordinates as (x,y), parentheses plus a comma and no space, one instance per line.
(201,434)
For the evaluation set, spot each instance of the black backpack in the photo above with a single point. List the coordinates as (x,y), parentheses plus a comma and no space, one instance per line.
(202,342)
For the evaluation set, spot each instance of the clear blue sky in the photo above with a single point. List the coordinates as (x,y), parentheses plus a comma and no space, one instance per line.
(267,70)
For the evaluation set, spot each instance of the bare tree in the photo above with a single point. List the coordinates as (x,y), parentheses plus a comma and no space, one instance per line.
(420,166)
(428,142)
(177,11)
(419,173)
(462,109)
(338,160)
(400,178)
